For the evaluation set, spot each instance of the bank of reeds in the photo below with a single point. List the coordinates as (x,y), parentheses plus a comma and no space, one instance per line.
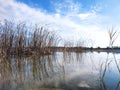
(19,39)
(76,46)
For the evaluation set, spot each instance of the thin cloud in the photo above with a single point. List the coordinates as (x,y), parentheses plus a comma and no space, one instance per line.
(67,7)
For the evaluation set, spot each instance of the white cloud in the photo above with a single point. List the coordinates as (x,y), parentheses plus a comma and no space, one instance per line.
(67,7)
(84,16)
(71,25)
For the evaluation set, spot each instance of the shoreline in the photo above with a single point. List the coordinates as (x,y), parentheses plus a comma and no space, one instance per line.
(50,50)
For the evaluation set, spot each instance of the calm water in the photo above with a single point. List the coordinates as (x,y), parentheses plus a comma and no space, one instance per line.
(62,71)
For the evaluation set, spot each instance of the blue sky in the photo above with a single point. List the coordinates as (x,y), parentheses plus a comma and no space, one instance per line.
(86,20)
(49,5)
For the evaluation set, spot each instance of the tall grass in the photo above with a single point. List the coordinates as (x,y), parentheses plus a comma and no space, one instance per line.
(19,39)
(76,46)
(113,35)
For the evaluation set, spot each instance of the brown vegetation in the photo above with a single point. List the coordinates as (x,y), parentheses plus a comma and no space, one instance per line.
(19,39)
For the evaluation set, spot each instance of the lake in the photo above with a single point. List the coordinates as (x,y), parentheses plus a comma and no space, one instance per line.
(61,71)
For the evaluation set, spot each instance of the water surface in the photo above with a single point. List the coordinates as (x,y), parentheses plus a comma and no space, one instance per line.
(61,71)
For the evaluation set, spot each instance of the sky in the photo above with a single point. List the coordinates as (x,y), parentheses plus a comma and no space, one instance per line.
(85,20)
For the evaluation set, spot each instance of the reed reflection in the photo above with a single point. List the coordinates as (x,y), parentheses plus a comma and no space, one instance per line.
(20,70)
(15,71)
(67,70)
(110,68)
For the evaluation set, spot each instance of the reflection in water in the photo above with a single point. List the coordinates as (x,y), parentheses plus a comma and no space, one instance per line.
(67,71)
(105,79)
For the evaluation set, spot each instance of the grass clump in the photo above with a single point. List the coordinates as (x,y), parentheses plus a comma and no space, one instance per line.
(19,39)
